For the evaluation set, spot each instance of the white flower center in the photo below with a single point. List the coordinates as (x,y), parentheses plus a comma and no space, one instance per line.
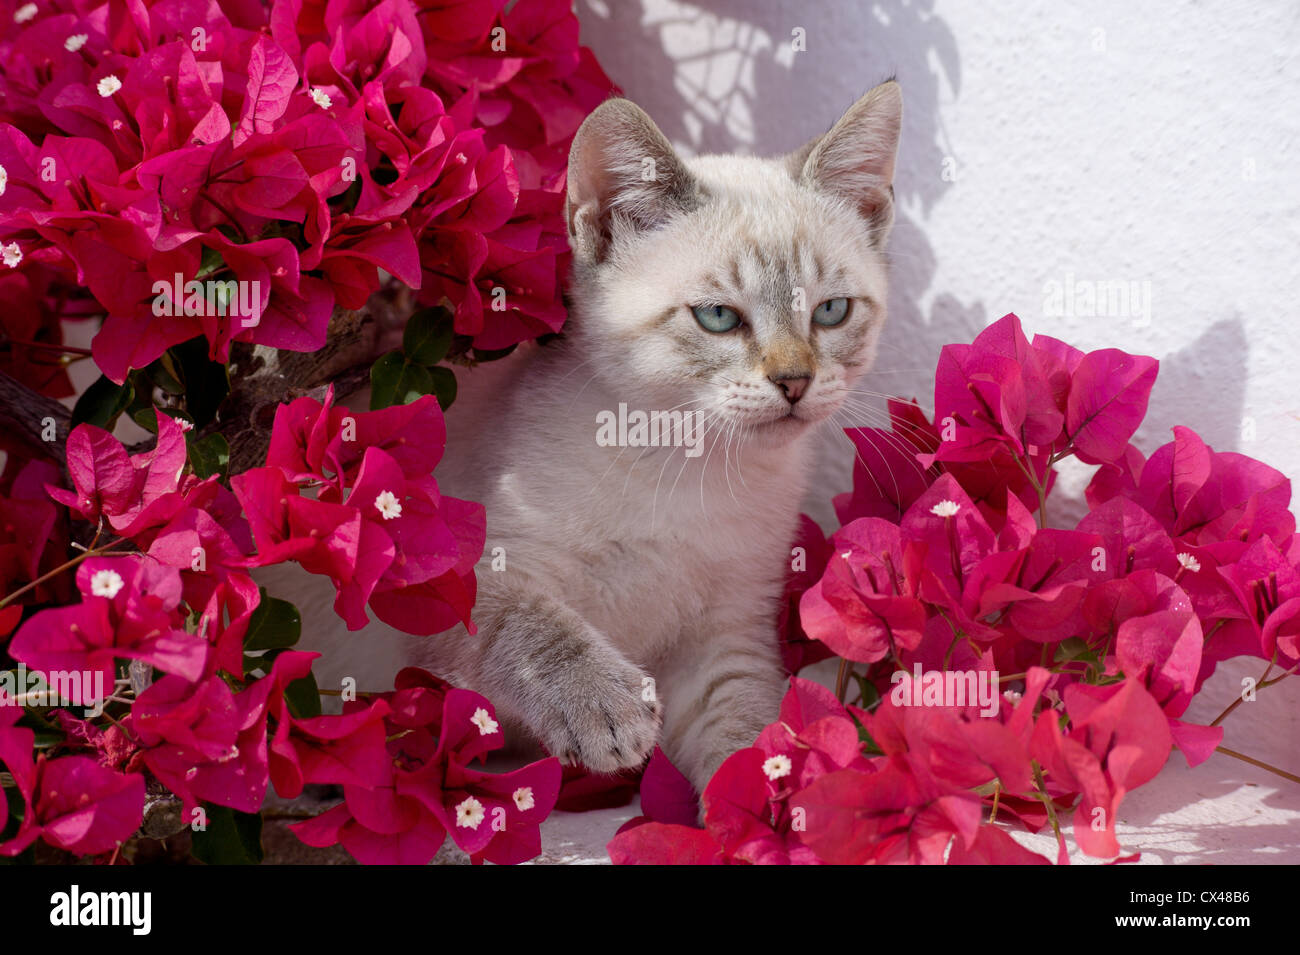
(75,42)
(1189,562)
(484,721)
(945,509)
(106,583)
(523,797)
(25,13)
(321,98)
(470,813)
(11,254)
(108,85)
(4,179)
(774,767)
(388,505)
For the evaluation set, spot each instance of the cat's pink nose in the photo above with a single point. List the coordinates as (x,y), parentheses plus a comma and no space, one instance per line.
(792,386)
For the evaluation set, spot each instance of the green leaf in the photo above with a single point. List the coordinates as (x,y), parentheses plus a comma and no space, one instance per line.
(231,837)
(102,402)
(210,455)
(1073,648)
(275,624)
(870,695)
(428,336)
(206,381)
(303,697)
(147,418)
(444,386)
(395,381)
(163,372)
(209,262)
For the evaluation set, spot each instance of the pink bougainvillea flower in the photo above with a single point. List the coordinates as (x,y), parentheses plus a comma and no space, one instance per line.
(315,440)
(347,749)
(1201,496)
(1107,401)
(131,491)
(996,392)
(1040,595)
(864,606)
(666,794)
(16,757)
(1131,539)
(813,735)
(1118,739)
(747,816)
(129,610)
(887,478)
(238,777)
(378,526)
(184,726)
(808,562)
(1266,583)
(84,807)
(993,846)
(27,526)
(855,817)
(399,809)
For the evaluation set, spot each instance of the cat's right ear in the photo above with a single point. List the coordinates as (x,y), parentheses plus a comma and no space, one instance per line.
(623,176)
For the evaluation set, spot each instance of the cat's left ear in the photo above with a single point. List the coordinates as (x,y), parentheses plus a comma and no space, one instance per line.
(856,158)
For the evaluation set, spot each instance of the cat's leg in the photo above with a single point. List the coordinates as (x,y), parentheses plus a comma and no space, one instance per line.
(548,669)
(720,690)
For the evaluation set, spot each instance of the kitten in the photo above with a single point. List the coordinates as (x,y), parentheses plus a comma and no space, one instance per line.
(638,598)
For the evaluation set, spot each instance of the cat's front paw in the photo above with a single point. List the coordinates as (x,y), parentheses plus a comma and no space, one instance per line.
(606,717)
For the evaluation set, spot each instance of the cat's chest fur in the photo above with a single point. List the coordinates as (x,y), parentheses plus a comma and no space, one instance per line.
(648,544)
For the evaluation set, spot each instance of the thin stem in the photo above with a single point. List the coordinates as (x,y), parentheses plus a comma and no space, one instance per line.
(1241,699)
(66,565)
(842,680)
(90,552)
(1255,762)
(43,346)
(1047,801)
(1039,489)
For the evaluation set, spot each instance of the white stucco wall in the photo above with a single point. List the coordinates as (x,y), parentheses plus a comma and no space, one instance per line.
(1110,141)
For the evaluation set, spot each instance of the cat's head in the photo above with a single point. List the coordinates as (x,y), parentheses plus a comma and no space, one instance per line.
(748,289)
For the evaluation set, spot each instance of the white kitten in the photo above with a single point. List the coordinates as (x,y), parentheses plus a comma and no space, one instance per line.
(640,587)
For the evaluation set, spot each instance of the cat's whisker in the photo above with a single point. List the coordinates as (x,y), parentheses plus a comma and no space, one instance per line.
(643,453)
(581,364)
(708,425)
(896,425)
(857,454)
(704,468)
(712,413)
(896,422)
(906,449)
(726,459)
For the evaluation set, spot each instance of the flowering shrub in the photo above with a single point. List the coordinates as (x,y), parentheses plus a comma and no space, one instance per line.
(200,179)
(1093,639)
(298,148)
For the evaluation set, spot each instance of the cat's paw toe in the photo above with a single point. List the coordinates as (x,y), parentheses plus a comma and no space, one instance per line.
(609,730)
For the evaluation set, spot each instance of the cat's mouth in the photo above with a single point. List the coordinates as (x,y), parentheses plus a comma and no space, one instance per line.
(791,421)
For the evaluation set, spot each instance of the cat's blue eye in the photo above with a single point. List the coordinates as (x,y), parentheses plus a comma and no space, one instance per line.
(831,312)
(716,318)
